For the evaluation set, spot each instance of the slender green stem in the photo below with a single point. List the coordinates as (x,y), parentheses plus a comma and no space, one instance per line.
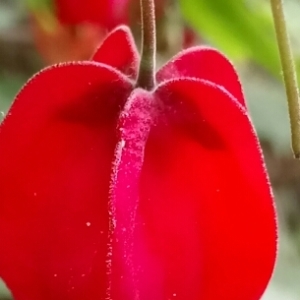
(289,73)
(146,77)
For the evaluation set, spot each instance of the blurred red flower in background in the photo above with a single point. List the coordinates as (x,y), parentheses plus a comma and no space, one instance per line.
(106,13)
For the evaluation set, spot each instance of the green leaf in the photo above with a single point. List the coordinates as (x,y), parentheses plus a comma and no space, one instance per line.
(241,29)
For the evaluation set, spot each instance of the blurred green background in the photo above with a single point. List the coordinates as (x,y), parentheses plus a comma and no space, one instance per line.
(243,30)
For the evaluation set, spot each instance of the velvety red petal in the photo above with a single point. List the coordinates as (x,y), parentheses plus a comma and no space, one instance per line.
(56,148)
(203,63)
(211,207)
(119,51)
(193,215)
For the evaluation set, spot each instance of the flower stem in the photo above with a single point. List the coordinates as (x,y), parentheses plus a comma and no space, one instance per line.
(146,78)
(289,73)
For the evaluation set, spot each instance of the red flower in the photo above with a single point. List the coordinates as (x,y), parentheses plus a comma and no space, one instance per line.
(108,191)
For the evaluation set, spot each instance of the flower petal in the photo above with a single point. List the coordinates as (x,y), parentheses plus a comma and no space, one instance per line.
(203,63)
(193,215)
(211,212)
(124,56)
(56,148)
